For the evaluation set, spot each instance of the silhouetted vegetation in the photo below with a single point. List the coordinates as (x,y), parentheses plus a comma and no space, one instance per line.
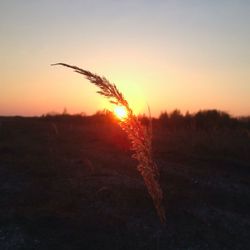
(201,120)
(206,120)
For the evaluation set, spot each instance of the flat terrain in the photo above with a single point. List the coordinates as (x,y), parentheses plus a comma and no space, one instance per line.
(73,185)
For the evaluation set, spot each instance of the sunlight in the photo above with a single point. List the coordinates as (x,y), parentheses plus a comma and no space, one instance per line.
(121,112)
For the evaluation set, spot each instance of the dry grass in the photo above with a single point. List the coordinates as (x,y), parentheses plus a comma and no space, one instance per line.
(139,135)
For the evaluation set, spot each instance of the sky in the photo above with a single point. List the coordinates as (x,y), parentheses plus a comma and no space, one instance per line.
(173,54)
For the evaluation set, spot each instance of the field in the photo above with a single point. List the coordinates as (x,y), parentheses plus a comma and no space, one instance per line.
(71,184)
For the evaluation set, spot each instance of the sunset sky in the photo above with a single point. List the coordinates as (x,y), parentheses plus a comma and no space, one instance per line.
(188,55)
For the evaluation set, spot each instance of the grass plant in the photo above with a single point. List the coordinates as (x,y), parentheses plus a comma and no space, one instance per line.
(139,135)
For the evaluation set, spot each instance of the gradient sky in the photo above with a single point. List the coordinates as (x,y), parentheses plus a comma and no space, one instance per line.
(188,55)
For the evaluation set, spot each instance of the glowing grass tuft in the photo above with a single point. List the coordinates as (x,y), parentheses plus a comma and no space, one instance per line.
(140,136)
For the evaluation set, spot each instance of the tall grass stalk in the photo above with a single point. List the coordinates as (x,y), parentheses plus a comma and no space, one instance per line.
(139,135)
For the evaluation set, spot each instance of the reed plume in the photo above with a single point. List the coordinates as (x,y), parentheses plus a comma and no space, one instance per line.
(139,135)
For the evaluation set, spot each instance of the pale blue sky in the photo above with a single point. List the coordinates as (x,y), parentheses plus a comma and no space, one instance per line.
(185,54)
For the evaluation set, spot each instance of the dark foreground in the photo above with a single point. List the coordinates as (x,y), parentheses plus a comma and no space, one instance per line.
(73,185)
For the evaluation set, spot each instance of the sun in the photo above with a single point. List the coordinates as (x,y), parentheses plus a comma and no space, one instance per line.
(121,112)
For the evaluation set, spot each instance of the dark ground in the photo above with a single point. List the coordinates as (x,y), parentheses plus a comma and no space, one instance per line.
(73,185)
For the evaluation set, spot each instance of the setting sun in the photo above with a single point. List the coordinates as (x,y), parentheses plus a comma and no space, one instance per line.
(120,112)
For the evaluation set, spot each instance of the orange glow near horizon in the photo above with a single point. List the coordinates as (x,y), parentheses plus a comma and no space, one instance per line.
(121,112)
